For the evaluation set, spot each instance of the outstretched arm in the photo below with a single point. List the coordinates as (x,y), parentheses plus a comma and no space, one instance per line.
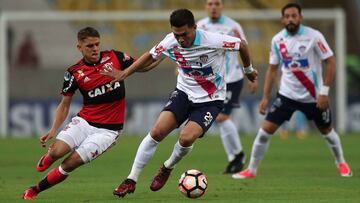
(61,113)
(151,66)
(144,61)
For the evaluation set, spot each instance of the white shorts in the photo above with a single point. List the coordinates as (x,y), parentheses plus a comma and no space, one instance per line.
(88,141)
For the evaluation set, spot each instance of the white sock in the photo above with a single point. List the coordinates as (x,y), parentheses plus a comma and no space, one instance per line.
(334,143)
(178,153)
(230,138)
(144,153)
(61,170)
(260,146)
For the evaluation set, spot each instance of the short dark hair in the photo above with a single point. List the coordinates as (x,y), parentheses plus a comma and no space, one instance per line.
(87,32)
(291,5)
(181,17)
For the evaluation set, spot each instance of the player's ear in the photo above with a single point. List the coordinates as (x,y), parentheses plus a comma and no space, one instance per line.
(78,46)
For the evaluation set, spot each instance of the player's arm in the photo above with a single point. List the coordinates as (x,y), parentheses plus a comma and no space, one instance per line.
(61,113)
(270,77)
(323,99)
(249,71)
(144,61)
(151,66)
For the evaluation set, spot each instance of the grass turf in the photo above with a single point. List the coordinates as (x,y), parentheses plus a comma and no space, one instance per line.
(292,171)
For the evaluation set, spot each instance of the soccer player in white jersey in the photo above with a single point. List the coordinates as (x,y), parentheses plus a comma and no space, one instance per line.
(216,22)
(198,97)
(299,51)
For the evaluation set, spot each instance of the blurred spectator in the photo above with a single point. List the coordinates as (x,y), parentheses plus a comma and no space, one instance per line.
(28,56)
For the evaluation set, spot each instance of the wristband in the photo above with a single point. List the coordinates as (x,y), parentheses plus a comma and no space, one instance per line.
(324,90)
(248,69)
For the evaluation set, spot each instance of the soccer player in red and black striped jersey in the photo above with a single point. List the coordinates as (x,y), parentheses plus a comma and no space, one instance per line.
(99,122)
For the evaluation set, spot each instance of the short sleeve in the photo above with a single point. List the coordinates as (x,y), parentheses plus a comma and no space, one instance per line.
(227,42)
(124,59)
(274,56)
(160,50)
(239,32)
(321,47)
(69,84)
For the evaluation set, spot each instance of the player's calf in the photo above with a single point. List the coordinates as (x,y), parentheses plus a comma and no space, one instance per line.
(127,186)
(44,163)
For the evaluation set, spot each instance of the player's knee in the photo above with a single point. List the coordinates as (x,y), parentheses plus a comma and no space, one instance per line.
(325,130)
(56,151)
(187,139)
(157,133)
(222,117)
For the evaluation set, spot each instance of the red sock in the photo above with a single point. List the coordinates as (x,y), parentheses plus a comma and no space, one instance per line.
(54,177)
(48,160)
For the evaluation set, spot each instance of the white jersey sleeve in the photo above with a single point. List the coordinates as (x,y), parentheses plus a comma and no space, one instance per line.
(322,48)
(225,42)
(274,58)
(160,50)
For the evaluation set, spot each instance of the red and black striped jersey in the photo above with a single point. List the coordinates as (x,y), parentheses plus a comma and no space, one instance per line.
(104,105)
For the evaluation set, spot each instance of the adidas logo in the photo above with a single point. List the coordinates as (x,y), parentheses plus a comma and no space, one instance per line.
(87,79)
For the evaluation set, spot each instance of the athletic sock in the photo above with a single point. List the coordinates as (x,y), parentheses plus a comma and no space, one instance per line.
(54,177)
(144,153)
(178,153)
(260,146)
(47,161)
(230,139)
(334,143)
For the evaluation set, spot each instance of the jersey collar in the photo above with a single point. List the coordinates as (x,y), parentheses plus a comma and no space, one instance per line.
(197,40)
(220,20)
(92,64)
(299,32)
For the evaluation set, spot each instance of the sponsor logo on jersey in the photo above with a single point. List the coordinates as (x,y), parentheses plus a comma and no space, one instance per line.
(105,59)
(321,47)
(199,72)
(103,89)
(87,79)
(80,73)
(295,65)
(159,50)
(229,45)
(67,76)
(108,66)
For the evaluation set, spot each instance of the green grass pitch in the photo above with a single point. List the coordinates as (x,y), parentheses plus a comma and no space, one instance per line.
(292,171)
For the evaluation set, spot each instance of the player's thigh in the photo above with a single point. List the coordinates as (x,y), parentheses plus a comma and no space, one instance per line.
(280,111)
(190,133)
(321,118)
(58,149)
(96,144)
(204,114)
(75,132)
(72,162)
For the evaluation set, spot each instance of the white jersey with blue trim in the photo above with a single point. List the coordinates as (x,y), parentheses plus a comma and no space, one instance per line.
(228,26)
(201,66)
(300,57)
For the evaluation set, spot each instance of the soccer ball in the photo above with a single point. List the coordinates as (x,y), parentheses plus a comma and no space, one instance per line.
(193,183)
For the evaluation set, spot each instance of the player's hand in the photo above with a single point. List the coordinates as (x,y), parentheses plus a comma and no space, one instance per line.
(252,86)
(43,139)
(118,75)
(252,76)
(263,105)
(322,102)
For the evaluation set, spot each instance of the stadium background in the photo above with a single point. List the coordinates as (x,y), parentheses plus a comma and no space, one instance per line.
(293,170)
(39,52)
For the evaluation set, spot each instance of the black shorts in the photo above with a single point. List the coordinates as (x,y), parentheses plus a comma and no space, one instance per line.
(233,91)
(203,114)
(283,108)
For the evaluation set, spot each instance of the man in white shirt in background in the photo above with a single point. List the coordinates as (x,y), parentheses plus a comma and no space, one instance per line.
(299,51)
(219,23)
